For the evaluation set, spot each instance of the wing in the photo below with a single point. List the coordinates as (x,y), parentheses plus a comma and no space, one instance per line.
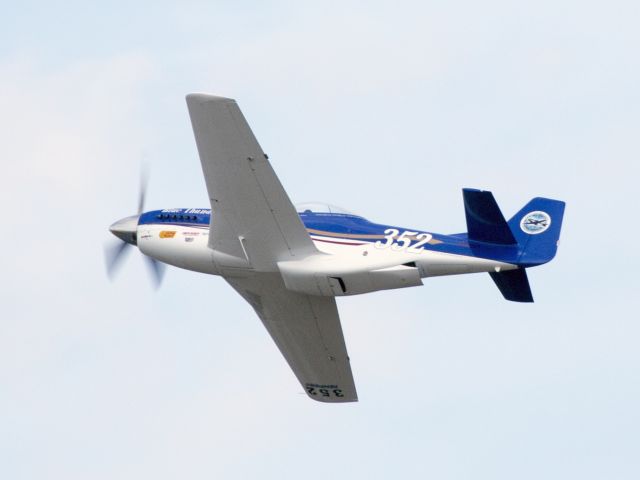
(251,214)
(308,333)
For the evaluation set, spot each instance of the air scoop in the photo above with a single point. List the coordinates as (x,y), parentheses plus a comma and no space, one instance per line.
(126,229)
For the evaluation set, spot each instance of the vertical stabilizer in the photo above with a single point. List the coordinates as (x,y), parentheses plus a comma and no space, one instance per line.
(536,227)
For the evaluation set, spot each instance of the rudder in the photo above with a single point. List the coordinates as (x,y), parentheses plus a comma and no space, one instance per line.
(536,228)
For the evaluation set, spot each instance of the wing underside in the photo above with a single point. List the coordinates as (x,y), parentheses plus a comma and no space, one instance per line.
(251,215)
(308,333)
(253,227)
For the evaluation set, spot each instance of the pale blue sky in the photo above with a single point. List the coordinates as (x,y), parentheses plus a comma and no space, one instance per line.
(387,109)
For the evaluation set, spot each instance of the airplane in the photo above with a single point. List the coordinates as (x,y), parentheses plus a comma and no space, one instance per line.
(289,264)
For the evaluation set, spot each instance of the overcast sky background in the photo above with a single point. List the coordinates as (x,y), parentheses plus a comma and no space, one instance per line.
(385,108)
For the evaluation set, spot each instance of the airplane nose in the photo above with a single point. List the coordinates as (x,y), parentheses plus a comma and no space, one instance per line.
(126,229)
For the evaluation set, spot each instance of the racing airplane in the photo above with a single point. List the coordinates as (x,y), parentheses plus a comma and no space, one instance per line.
(291,264)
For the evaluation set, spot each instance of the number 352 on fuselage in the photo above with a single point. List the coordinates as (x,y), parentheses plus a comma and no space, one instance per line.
(290,263)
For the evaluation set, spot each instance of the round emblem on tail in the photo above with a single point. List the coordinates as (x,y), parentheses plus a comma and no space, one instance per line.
(535,222)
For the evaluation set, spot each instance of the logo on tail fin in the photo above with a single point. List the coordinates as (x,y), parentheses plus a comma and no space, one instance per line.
(535,222)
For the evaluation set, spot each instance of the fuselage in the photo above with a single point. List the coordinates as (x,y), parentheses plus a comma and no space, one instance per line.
(180,237)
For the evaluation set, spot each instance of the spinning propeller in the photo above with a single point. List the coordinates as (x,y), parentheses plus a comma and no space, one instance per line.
(127,231)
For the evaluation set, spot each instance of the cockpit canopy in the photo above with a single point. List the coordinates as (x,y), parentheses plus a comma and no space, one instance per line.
(320,207)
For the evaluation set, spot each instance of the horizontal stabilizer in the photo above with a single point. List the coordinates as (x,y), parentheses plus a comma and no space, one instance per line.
(513,284)
(485,222)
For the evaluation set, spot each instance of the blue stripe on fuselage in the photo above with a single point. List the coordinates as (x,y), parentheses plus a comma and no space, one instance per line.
(343,227)
(177,216)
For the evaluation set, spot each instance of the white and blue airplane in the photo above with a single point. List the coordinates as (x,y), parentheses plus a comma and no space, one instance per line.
(291,264)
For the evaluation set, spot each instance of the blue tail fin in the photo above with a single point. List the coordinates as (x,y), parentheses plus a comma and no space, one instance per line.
(536,228)
(530,238)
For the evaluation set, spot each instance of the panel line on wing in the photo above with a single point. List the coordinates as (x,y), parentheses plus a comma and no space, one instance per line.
(266,201)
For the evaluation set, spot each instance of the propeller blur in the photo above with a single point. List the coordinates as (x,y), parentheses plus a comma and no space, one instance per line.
(126,230)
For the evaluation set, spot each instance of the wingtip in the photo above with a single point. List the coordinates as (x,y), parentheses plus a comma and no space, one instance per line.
(201,97)
(334,400)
